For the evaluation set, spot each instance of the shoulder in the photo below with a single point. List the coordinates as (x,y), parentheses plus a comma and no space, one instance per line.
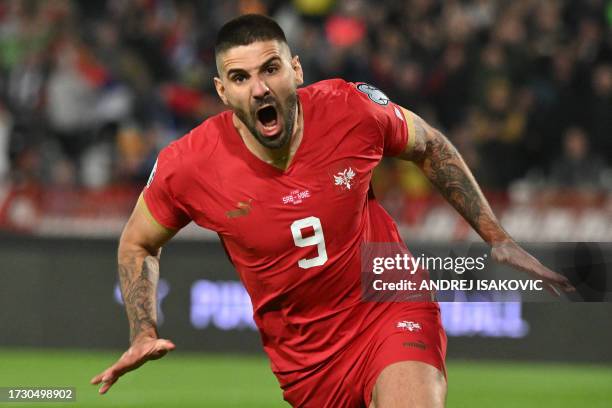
(355,96)
(198,144)
(329,88)
(325,88)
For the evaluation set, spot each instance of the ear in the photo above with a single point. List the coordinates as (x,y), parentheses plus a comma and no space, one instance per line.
(297,68)
(220,90)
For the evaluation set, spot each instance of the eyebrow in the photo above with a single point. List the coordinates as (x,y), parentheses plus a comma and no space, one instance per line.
(241,71)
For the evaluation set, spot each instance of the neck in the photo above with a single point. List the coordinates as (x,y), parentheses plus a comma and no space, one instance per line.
(281,157)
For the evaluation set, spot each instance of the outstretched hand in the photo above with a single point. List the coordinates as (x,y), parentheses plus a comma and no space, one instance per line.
(511,254)
(141,351)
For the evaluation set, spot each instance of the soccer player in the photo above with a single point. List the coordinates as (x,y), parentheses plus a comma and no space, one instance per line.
(284,178)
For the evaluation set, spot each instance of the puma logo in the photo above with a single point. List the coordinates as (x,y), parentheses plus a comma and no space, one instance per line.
(244,208)
(417,344)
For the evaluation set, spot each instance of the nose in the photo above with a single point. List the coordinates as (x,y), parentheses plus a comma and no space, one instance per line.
(260,89)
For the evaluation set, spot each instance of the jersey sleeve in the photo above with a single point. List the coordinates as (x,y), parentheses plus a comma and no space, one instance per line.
(393,121)
(157,194)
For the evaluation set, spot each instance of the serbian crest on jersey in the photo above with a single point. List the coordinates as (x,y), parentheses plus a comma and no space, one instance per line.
(375,94)
(343,176)
(409,326)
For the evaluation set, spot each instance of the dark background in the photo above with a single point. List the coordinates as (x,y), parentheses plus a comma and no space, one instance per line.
(60,293)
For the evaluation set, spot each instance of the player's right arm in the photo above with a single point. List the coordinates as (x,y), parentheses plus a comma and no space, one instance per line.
(138,257)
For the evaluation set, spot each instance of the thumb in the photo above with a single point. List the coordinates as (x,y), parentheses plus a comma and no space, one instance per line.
(166,344)
(161,348)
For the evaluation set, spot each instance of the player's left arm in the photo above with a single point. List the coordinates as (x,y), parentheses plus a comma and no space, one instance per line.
(442,164)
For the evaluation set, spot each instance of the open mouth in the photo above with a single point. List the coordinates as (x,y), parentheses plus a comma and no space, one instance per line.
(267,118)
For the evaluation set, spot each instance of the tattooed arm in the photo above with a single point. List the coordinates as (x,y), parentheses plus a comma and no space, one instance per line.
(138,257)
(442,164)
(433,153)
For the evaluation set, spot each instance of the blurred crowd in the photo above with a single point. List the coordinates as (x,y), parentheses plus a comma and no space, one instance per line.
(90,91)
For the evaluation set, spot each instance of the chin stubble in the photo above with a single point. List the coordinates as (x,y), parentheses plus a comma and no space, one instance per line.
(288,120)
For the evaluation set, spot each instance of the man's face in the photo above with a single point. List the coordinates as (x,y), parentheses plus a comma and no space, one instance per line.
(259,81)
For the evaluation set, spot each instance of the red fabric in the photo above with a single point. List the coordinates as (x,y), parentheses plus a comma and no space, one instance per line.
(159,194)
(306,312)
(349,378)
(390,120)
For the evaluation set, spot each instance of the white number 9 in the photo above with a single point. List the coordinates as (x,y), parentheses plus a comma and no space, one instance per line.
(316,239)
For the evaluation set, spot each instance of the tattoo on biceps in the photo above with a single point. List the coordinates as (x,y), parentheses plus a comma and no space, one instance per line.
(138,290)
(419,129)
(416,150)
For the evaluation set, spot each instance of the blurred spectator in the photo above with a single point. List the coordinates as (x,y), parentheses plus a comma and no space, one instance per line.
(578,167)
(498,128)
(91,90)
(71,99)
(600,119)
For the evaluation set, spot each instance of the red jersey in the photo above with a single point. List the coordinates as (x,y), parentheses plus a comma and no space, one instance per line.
(294,236)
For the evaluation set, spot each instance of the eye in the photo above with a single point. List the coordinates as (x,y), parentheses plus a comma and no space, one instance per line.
(271,69)
(238,78)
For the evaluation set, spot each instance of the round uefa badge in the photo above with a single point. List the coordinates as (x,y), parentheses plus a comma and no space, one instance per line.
(375,94)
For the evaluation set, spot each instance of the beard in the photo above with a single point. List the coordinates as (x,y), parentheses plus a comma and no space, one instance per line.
(285,110)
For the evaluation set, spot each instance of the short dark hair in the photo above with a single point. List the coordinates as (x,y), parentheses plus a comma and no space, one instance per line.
(248,29)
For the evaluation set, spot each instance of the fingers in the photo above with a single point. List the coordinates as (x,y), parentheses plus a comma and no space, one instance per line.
(555,281)
(552,289)
(107,378)
(104,376)
(565,284)
(136,356)
(97,379)
(107,385)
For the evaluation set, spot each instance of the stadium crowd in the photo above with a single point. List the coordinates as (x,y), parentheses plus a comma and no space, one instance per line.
(91,90)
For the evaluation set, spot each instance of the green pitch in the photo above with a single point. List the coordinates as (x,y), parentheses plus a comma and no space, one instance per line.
(206,380)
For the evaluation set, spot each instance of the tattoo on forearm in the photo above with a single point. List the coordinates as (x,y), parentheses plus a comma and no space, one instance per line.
(446,169)
(138,287)
(447,172)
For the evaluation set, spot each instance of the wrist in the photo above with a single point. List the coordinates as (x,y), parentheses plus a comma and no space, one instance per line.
(498,237)
(145,335)
(501,241)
